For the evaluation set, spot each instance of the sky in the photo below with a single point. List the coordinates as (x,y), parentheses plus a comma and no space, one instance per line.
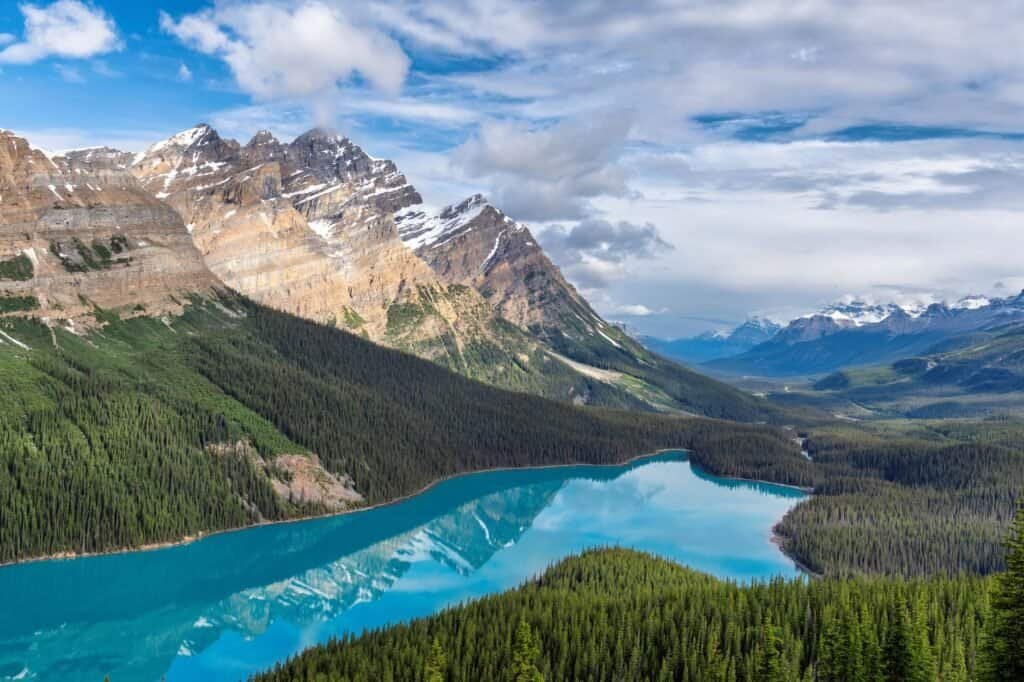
(687,163)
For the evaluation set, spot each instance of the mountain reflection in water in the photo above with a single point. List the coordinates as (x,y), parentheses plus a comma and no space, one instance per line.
(235,603)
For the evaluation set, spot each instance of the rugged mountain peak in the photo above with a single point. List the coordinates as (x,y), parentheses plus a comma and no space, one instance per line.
(262,138)
(475,244)
(423,227)
(859,312)
(812,327)
(79,232)
(754,331)
(199,135)
(971,302)
(198,152)
(328,156)
(263,148)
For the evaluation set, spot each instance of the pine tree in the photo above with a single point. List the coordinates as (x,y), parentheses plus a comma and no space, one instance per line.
(524,656)
(1003,653)
(437,662)
(774,666)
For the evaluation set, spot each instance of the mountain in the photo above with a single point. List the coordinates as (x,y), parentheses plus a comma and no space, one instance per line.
(306,227)
(601,594)
(145,401)
(318,228)
(78,232)
(474,244)
(976,374)
(715,344)
(859,334)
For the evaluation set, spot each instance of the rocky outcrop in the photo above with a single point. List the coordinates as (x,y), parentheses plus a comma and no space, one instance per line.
(475,244)
(303,227)
(79,232)
(308,227)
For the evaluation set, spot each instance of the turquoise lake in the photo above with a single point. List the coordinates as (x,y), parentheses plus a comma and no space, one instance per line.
(233,604)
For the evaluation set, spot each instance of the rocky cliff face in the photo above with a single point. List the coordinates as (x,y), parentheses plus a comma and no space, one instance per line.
(475,244)
(79,232)
(303,227)
(308,227)
(318,228)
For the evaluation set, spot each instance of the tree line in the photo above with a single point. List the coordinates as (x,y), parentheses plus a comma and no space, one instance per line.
(110,441)
(620,615)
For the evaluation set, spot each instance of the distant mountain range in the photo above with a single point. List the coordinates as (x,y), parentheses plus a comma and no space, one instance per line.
(845,334)
(713,345)
(859,334)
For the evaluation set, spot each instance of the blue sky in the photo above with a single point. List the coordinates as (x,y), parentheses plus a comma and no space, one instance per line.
(682,160)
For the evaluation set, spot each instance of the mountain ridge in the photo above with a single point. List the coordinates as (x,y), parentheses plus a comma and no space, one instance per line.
(319,228)
(863,334)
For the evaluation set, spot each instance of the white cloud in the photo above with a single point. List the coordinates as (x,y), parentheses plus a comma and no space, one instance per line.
(631,309)
(548,173)
(278,51)
(184,73)
(69,73)
(66,28)
(585,112)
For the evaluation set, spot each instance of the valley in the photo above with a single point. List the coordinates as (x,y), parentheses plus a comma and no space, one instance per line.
(208,336)
(249,599)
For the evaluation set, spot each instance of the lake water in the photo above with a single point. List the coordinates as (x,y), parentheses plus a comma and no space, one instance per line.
(233,604)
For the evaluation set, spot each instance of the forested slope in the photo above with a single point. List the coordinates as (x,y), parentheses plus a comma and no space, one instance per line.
(937,498)
(618,615)
(130,435)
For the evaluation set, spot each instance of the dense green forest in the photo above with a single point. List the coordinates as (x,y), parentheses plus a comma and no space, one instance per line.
(617,616)
(937,498)
(108,440)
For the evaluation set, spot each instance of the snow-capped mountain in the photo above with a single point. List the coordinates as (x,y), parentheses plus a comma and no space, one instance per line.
(716,344)
(473,243)
(855,331)
(319,228)
(857,312)
(80,232)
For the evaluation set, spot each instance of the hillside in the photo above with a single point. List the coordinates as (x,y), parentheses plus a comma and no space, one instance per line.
(858,335)
(622,615)
(150,430)
(977,374)
(309,227)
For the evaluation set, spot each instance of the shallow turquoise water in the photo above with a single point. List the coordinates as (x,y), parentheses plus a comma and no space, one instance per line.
(235,603)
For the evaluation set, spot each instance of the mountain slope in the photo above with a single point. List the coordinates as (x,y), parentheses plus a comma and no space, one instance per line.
(977,374)
(309,227)
(150,430)
(78,232)
(475,244)
(715,345)
(825,342)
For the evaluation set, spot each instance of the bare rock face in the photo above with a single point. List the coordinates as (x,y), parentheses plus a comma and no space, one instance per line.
(308,227)
(475,244)
(79,232)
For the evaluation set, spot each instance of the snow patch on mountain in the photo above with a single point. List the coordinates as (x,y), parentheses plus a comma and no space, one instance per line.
(971,303)
(184,139)
(420,225)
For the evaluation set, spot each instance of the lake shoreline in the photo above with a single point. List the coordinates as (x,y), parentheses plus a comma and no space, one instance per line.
(189,539)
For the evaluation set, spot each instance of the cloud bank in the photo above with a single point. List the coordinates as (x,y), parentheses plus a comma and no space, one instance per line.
(66,28)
